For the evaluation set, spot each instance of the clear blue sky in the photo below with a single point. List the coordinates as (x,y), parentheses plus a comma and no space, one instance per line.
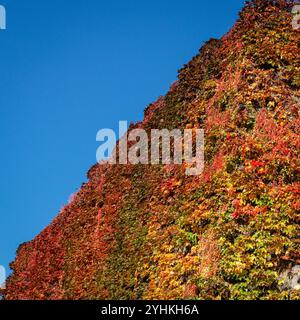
(69,68)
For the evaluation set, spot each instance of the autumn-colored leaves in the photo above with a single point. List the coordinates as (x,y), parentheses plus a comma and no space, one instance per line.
(136,232)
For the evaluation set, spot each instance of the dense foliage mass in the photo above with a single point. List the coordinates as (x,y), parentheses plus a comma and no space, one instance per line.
(151,232)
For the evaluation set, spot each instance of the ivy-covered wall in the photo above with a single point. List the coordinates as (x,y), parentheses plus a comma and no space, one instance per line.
(151,232)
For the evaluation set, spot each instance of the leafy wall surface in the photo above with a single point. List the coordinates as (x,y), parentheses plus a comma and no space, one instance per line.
(151,232)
